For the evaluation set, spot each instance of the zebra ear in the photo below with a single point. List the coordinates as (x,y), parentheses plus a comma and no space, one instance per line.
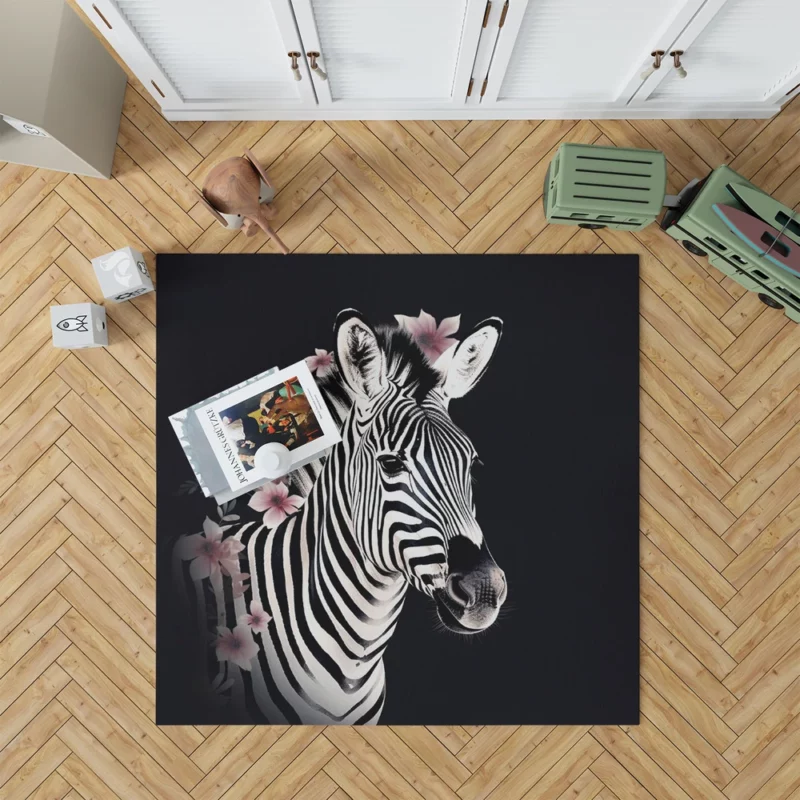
(358,354)
(464,365)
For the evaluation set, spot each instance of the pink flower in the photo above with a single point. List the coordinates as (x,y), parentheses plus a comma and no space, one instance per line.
(239,583)
(274,500)
(236,646)
(431,338)
(257,620)
(321,363)
(209,552)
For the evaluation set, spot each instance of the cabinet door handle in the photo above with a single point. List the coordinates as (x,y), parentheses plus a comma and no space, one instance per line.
(312,57)
(676,60)
(657,56)
(295,67)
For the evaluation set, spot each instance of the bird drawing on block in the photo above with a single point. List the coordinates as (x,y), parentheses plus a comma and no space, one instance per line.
(234,188)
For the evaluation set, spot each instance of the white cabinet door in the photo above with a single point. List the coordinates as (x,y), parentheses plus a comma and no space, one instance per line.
(390,54)
(735,51)
(558,54)
(208,54)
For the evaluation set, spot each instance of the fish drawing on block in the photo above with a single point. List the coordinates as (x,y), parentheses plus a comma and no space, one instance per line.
(767,241)
(74,324)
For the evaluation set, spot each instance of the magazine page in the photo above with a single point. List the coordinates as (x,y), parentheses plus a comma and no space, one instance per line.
(286,407)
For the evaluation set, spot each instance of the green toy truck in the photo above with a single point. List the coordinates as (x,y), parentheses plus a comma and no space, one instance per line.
(608,187)
(701,231)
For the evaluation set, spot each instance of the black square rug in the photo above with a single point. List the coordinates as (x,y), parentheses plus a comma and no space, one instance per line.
(469,553)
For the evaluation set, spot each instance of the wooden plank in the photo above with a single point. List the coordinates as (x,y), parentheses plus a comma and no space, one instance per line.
(682,334)
(493,152)
(690,745)
(24,636)
(12,176)
(402,180)
(160,779)
(108,586)
(124,711)
(476,133)
(765,436)
(91,606)
(768,688)
(32,192)
(157,165)
(685,702)
(30,267)
(426,168)
(21,566)
(159,131)
(685,665)
(351,202)
(95,394)
(684,448)
(539,146)
(295,151)
(39,767)
(773,720)
(678,477)
(155,199)
(30,230)
(683,410)
(410,224)
(92,752)
(437,143)
(683,625)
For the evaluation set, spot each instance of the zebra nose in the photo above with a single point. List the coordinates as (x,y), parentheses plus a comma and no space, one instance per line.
(485,586)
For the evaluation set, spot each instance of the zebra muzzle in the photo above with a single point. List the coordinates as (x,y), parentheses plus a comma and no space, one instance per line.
(474,590)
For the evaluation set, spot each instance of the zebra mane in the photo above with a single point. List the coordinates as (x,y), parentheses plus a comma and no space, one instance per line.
(406,366)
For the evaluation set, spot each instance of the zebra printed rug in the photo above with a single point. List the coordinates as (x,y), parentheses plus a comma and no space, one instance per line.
(468,554)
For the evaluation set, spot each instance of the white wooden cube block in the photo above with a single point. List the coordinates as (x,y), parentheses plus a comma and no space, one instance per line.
(78,325)
(122,274)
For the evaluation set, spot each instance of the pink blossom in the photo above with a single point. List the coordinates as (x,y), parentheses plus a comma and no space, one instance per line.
(321,362)
(257,620)
(209,552)
(239,583)
(236,646)
(431,338)
(274,500)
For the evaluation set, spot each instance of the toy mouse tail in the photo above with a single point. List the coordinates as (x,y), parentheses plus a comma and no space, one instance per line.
(267,228)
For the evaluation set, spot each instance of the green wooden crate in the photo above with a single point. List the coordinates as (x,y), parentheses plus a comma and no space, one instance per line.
(605,187)
(701,231)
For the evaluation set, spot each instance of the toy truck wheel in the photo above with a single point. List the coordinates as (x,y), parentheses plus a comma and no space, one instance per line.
(592,226)
(769,301)
(693,248)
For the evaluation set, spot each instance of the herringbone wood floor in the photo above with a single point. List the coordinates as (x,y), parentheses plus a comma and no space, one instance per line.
(720,471)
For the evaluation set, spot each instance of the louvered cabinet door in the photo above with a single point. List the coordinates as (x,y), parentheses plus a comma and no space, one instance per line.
(390,54)
(734,51)
(208,54)
(557,54)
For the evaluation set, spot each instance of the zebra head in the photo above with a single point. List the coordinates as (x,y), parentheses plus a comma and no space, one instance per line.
(410,467)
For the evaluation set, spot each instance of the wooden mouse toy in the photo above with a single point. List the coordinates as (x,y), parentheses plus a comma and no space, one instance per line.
(237,192)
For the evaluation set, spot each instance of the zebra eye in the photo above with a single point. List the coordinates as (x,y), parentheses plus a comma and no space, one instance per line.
(390,464)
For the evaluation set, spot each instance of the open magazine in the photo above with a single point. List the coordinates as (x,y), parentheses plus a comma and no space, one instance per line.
(284,407)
